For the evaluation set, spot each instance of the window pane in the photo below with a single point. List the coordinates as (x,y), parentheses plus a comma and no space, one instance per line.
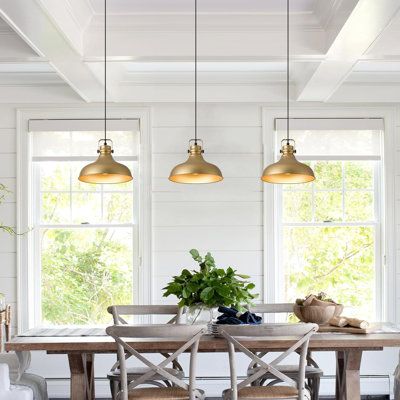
(328,206)
(54,176)
(83,272)
(118,207)
(328,174)
(86,208)
(297,207)
(359,175)
(336,260)
(359,206)
(55,208)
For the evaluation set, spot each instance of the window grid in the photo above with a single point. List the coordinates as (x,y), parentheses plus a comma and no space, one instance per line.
(343,190)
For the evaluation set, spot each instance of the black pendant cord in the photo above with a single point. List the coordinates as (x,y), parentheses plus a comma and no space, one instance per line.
(287,71)
(195,72)
(105,71)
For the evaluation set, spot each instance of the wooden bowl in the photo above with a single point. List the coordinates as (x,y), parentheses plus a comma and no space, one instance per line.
(338,307)
(316,314)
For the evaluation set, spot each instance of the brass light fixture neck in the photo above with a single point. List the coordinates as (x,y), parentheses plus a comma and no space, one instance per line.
(195,149)
(105,149)
(287,149)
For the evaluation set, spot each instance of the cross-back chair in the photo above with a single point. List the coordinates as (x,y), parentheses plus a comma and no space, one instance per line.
(121,315)
(313,373)
(188,334)
(291,388)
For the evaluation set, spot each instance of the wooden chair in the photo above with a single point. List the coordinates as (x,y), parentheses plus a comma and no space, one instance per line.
(292,389)
(121,314)
(313,373)
(189,334)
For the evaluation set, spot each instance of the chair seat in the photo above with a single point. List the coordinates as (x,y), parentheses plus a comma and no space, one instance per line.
(136,372)
(264,392)
(289,370)
(170,393)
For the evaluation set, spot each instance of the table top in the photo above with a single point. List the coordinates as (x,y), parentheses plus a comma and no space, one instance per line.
(208,343)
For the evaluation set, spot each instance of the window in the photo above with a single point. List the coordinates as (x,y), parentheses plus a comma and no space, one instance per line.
(330,229)
(84,246)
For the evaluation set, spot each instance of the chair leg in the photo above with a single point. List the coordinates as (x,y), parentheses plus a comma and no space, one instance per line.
(315,388)
(114,388)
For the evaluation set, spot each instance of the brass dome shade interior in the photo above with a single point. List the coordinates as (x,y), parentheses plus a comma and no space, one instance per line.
(288,169)
(195,169)
(105,169)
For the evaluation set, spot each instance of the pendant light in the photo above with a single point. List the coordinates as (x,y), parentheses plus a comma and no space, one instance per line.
(105,169)
(288,169)
(195,169)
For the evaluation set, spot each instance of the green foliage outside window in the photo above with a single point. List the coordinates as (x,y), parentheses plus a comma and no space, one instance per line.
(83,272)
(84,268)
(321,252)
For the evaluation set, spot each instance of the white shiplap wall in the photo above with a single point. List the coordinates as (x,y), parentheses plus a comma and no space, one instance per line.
(224,218)
(8,273)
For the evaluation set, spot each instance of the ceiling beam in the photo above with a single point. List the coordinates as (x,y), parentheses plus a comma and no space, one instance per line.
(361,29)
(30,21)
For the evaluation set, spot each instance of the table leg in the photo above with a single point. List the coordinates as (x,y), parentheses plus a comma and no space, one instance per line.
(90,376)
(340,378)
(348,364)
(82,376)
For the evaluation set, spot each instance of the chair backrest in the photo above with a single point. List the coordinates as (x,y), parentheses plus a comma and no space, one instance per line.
(300,334)
(188,334)
(271,308)
(120,311)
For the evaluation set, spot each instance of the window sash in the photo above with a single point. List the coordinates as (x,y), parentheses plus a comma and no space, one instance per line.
(36,162)
(376,224)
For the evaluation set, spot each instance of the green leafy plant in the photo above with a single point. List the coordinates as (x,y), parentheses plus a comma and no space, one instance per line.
(3,193)
(211,286)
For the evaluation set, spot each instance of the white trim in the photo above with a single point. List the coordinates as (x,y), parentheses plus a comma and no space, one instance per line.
(334,124)
(83,124)
(388,237)
(79,158)
(143,289)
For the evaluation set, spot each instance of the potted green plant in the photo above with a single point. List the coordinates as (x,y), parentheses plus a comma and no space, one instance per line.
(203,290)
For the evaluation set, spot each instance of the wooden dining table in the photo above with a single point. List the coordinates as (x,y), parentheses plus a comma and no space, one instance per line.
(81,353)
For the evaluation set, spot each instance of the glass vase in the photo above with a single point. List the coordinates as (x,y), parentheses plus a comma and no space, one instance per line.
(199,314)
(2,302)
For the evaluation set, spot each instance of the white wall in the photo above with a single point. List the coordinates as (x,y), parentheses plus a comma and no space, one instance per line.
(224,218)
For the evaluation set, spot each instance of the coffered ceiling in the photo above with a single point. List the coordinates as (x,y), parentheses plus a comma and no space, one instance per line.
(339,49)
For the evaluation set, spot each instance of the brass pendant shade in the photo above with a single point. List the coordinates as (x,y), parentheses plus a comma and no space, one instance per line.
(288,169)
(195,169)
(105,169)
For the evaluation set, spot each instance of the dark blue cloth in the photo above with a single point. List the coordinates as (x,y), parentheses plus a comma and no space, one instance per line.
(231,316)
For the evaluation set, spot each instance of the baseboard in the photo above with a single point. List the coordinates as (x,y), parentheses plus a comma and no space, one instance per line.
(372,387)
